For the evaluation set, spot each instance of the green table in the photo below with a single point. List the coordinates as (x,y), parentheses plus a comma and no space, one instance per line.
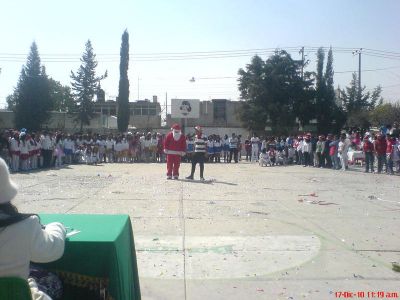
(103,253)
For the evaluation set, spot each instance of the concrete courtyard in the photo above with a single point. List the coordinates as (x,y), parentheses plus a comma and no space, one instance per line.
(248,233)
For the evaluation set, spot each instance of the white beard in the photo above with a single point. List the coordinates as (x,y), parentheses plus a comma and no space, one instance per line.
(176,135)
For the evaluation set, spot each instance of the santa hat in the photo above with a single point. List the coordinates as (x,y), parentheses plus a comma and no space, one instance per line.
(176,127)
(198,128)
(8,189)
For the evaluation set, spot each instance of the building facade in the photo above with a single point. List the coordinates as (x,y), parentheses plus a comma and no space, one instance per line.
(218,116)
(144,114)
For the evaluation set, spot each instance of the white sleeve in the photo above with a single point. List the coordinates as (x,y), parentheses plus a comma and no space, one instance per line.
(47,244)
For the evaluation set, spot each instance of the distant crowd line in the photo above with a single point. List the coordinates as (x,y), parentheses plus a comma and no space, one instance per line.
(379,151)
(25,151)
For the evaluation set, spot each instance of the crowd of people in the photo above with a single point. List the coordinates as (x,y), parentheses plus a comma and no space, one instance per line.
(24,151)
(380,150)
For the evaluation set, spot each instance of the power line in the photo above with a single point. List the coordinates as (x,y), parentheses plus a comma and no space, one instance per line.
(368,70)
(154,56)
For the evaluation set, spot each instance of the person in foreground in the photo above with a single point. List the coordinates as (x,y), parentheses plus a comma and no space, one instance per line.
(22,238)
(199,153)
(174,148)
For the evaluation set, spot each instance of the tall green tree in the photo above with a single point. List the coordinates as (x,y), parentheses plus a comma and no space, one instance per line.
(123,88)
(322,113)
(330,117)
(31,99)
(274,93)
(85,84)
(358,109)
(368,100)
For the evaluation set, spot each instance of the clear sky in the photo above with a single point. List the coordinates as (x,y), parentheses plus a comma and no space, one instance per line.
(61,28)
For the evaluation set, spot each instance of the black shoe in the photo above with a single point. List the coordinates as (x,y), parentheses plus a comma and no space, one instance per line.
(202,179)
(176,177)
(190,177)
(169,177)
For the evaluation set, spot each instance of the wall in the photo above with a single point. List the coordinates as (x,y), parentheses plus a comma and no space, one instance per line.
(66,122)
(207,116)
(6,119)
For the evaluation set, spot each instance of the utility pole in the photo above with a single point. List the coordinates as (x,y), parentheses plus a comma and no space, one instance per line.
(166,107)
(302,61)
(138,88)
(359,51)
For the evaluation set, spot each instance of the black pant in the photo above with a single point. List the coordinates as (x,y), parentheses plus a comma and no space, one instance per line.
(321,161)
(382,161)
(369,161)
(328,160)
(233,152)
(198,157)
(248,154)
(47,155)
(306,158)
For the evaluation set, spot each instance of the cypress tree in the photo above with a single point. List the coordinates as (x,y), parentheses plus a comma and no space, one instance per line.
(31,98)
(123,88)
(85,85)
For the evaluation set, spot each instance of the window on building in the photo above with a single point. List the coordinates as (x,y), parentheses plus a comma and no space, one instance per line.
(137,111)
(145,110)
(219,110)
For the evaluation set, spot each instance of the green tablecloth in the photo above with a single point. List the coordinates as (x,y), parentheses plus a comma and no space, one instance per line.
(104,248)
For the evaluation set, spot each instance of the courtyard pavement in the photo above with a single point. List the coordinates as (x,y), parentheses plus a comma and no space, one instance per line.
(249,232)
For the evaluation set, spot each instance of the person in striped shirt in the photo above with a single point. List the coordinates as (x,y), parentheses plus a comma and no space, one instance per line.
(233,148)
(200,149)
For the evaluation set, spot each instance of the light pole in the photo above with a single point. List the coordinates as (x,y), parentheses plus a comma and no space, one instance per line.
(359,51)
(138,87)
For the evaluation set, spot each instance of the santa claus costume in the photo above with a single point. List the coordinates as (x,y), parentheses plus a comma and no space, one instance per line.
(174,148)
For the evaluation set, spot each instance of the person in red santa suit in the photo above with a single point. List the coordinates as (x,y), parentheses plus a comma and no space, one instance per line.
(174,148)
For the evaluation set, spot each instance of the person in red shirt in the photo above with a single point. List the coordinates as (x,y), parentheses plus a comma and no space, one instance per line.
(368,149)
(174,148)
(380,149)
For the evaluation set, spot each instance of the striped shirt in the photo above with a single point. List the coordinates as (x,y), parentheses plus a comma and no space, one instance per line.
(200,144)
(233,143)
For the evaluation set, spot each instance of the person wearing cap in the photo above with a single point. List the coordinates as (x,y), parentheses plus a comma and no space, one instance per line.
(22,237)
(200,148)
(174,148)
